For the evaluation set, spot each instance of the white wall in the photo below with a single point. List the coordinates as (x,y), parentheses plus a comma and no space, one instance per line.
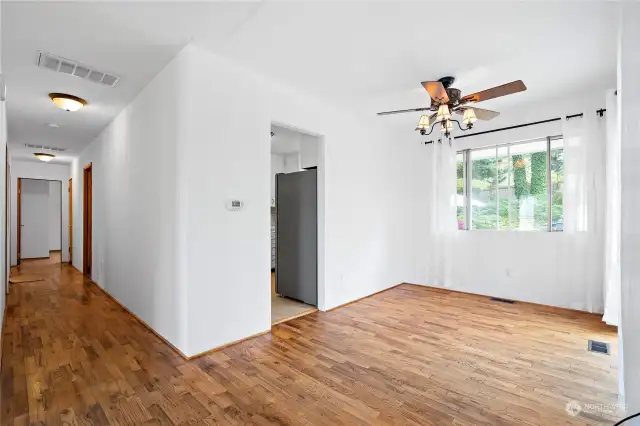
(4,257)
(291,163)
(536,267)
(55,215)
(226,260)
(136,243)
(308,151)
(35,219)
(629,111)
(46,171)
(167,248)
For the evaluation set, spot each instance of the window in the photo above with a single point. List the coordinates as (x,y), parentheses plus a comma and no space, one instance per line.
(515,186)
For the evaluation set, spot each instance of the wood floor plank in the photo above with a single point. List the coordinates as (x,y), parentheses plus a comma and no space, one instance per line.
(408,356)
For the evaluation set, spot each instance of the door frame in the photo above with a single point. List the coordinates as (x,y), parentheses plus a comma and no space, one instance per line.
(7,209)
(19,218)
(320,140)
(70,221)
(19,221)
(87,219)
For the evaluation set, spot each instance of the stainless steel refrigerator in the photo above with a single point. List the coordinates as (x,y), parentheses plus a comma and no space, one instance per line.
(297,236)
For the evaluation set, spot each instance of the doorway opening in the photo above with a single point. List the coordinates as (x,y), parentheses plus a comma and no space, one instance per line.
(296,236)
(87,214)
(39,220)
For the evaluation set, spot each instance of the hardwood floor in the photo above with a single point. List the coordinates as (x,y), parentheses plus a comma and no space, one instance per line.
(54,257)
(409,355)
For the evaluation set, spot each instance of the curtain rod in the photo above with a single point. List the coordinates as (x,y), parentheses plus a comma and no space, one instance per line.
(600,113)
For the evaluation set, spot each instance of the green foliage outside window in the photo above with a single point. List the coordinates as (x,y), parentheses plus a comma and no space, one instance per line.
(505,190)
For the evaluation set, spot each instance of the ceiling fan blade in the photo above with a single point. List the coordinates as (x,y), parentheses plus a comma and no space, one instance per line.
(436,90)
(485,114)
(402,111)
(495,92)
(481,114)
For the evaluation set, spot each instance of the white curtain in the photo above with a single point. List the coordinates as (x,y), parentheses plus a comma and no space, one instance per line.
(583,200)
(442,222)
(612,215)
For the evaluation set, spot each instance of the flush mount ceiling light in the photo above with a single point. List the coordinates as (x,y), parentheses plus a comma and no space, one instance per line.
(67,102)
(447,100)
(43,156)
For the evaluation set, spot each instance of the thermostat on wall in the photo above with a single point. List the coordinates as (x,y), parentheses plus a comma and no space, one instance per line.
(234,205)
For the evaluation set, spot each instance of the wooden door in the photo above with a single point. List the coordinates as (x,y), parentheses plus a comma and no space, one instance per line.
(70,222)
(87,221)
(19,242)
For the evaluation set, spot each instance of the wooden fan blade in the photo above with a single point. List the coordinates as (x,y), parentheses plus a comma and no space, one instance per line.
(436,90)
(481,114)
(495,92)
(402,111)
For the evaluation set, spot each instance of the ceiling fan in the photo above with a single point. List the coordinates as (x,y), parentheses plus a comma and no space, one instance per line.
(446,100)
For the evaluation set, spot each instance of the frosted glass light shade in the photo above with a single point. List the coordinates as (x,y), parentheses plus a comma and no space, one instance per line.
(44,156)
(469,116)
(446,126)
(67,102)
(443,112)
(423,123)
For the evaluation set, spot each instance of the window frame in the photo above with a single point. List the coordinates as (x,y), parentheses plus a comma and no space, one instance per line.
(467,181)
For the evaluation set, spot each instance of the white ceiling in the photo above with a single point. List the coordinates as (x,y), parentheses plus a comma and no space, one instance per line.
(370,56)
(373,55)
(132,40)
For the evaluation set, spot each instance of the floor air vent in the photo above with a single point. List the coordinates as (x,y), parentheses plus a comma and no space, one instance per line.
(497,299)
(599,347)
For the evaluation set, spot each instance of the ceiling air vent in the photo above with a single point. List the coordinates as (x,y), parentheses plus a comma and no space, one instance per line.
(46,148)
(67,66)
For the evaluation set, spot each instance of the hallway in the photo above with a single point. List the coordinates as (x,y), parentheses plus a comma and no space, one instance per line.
(72,356)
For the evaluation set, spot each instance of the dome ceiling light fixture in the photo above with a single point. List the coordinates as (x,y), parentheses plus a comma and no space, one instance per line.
(43,156)
(67,102)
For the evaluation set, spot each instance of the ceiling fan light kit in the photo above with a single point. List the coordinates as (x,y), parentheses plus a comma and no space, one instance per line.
(423,123)
(443,113)
(446,100)
(469,116)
